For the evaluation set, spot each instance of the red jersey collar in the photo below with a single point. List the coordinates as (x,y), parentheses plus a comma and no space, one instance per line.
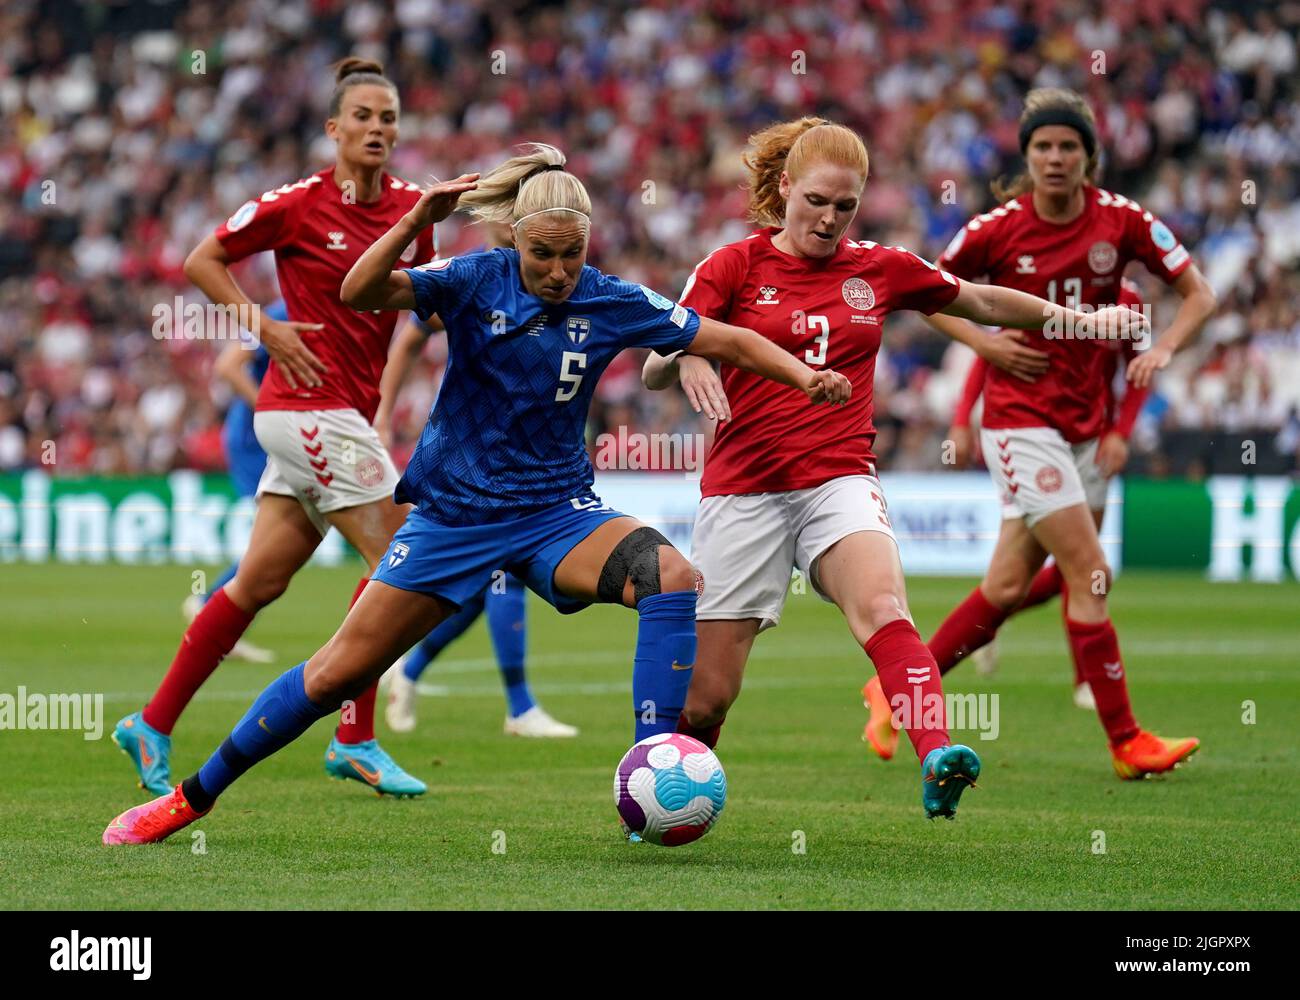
(812,263)
(1089,196)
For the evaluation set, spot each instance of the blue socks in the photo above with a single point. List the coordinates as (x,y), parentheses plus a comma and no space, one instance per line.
(281,714)
(505,615)
(665,654)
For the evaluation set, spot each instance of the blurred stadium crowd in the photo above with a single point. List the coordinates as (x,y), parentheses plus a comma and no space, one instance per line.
(129,130)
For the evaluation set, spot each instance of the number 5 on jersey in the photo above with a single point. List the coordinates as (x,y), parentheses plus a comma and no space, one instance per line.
(572,367)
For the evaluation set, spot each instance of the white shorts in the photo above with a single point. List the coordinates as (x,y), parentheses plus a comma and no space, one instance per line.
(1038,472)
(745,546)
(328,459)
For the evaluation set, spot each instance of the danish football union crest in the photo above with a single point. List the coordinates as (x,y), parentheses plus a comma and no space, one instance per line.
(858,294)
(1048,479)
(370,472)
(398,555)
(578,328)
(1102,257)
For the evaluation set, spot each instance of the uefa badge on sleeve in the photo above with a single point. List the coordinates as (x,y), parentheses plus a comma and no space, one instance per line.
(578,328)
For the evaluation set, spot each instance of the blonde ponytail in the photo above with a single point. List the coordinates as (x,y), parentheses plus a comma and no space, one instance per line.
(532,183)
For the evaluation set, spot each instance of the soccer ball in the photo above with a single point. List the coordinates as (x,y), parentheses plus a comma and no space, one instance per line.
(669,789)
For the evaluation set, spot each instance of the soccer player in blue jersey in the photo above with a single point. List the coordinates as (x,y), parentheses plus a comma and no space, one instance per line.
(504,599)
(242,367)
(501,478)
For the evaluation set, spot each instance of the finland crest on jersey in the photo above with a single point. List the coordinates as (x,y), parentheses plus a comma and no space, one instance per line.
(578,328)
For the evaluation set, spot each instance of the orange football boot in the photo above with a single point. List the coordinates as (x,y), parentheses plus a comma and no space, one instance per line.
(879,731)
(154,821)
(1146,753)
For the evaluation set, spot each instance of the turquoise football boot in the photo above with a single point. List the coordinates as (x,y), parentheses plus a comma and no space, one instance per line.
(945,773)
(148,749)
(368,763)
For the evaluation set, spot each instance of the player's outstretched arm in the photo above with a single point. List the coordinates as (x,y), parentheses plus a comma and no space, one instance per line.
(745,349)
(1005,349)
(660,371)
(1198,305)
(372,283)
(700,383)
(994,305)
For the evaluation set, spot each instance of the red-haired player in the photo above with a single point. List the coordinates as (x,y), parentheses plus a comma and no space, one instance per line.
(1059,236)
(326,465)
(786,486)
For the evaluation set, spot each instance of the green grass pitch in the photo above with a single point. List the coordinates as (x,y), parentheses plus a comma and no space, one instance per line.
(1216,834)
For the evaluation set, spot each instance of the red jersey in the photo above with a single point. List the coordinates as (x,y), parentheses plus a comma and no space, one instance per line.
(1078,263)
(828,313)
(1119,353)
(317,236)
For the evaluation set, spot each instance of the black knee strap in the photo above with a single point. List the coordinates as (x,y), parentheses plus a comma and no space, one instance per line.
(635,558)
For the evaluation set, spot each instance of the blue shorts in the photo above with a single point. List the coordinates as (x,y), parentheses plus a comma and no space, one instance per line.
(457,562)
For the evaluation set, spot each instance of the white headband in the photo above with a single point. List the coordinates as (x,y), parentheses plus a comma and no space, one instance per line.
(547,210)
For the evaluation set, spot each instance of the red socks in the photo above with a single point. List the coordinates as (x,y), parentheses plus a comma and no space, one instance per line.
(909,678)
(362,711)
(211,635)
(1096,657)
(1046,584)
(968,626)
(709,737)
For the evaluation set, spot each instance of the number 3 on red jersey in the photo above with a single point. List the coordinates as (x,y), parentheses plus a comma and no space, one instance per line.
(821,326)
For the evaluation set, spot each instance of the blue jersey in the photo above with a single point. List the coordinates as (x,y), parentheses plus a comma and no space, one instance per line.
(506,434)
(244,455)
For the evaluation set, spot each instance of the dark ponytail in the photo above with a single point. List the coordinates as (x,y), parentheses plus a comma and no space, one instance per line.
(354,71)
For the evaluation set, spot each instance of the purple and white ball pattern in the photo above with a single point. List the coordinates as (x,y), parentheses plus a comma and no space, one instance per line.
(670,789)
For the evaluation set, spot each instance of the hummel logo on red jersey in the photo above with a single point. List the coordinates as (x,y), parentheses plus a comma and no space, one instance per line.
(765,297)
(1025,265)
(336,242)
